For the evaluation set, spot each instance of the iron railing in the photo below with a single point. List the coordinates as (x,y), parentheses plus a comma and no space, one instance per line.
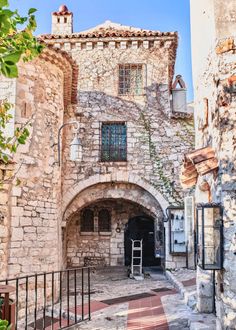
(53,300)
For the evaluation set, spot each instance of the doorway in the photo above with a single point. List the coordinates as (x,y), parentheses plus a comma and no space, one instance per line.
(141,228)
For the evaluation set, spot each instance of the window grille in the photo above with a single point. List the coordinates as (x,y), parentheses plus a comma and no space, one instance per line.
(87,221)
(130,79)
(114,142)
(104,220)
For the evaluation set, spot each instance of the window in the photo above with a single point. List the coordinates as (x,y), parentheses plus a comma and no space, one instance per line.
(130,79)
(65,19)
(104,220)
(114,142)
(209,226)
(87,221)
(176,229)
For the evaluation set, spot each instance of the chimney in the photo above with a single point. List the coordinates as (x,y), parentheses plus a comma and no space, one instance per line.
(62,21)
(179,95)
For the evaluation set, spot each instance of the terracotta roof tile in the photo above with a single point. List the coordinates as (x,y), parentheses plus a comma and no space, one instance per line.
(110,34)
(198,162)
(110,29)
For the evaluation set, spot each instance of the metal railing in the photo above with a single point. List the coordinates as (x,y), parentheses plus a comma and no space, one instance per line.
(52,300)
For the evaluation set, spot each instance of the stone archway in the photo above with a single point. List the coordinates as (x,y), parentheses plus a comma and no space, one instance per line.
(123,200)
(116,176)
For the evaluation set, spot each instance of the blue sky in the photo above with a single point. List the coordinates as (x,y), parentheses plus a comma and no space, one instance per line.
(163,15)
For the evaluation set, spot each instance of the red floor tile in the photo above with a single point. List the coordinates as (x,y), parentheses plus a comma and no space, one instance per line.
(95,306)
(190,282)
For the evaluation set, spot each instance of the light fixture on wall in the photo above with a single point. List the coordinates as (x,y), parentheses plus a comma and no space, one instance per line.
(75,145)
(209,234)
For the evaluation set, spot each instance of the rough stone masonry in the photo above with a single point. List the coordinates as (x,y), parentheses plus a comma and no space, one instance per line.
(77,78)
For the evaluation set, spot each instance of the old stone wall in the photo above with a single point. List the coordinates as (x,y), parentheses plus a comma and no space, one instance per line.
(34,244)
(107,247)
(146,116)
(6,173)
(215,107)
(156,141)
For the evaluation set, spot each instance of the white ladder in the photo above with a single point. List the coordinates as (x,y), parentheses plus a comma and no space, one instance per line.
(137,257)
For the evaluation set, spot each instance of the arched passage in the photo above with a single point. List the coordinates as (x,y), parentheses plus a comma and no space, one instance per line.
(85,242)
(115,177)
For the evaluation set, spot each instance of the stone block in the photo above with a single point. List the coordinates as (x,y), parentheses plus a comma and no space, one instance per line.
(25,221)
(17,234)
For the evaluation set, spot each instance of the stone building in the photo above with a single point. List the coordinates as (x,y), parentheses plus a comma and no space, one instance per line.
(214,76)
(116,82)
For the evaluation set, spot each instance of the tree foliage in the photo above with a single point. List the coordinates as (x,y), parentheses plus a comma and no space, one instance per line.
(9,144)
(16,43)
(4,325)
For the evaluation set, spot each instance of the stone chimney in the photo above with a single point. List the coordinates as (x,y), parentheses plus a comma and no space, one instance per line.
(62,21)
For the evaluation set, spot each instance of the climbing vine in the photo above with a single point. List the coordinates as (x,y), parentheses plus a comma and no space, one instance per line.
(166,187)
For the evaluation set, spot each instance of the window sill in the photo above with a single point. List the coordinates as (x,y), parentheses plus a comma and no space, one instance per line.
(88,233)
(112,162)
(104,233)
(95,233)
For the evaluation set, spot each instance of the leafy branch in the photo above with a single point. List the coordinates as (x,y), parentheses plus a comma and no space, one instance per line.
(16,44)
(9,144)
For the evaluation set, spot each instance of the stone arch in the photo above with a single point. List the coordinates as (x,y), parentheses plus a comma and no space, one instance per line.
(116,176)
(113,191)
(125,201)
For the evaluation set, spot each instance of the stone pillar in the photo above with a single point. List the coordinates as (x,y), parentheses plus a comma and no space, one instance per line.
(5,216)
(205,291)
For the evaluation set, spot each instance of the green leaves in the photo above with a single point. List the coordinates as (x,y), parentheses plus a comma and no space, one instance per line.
(32,11)
(16,39)
(4,3)
(9,144)
(4,325)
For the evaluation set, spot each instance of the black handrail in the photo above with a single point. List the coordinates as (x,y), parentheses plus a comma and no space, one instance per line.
(44,299)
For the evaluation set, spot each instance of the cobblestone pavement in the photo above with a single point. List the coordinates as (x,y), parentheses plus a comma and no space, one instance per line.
(160,307)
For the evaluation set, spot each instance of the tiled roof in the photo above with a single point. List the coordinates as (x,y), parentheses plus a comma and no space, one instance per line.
(197,162)
(112,30)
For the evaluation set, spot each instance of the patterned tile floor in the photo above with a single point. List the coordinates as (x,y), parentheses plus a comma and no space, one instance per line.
(147,312)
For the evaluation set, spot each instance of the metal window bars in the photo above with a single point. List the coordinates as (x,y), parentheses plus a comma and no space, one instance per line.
(130,79)
(87,221)
(113,142)
(104,220)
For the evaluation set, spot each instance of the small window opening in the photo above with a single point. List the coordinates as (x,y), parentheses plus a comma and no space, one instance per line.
(104,220)
(87,221)
(130,79)
(113,142)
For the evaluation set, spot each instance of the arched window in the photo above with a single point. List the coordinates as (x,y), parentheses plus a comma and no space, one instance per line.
(87,221)
(104,220)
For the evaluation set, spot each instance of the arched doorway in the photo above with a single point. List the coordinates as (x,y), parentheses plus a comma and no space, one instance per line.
(85,239)
(141,228)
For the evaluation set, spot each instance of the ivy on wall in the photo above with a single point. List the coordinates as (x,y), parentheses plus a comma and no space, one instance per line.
(166,185)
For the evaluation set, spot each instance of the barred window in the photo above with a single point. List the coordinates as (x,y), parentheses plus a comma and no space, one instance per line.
(114,142)
(130,79)
(104,220)
(87,221)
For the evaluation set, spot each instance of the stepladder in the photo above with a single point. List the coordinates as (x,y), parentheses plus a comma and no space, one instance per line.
(137,259)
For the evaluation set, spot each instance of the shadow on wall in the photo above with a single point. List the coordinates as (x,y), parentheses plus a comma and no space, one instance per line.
(153,136)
